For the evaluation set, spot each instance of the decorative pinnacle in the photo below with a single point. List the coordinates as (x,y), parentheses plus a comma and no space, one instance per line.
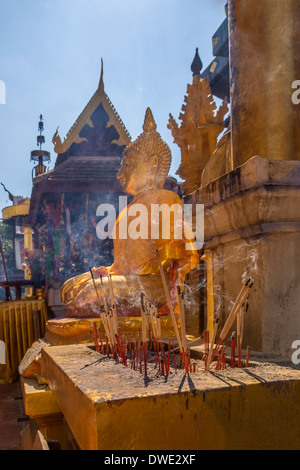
(197,65)
(41,138)
(101,82)
(149,123)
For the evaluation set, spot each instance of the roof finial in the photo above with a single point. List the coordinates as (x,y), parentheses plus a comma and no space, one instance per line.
(149,123)
(197,65)
(40,156)
(101,82)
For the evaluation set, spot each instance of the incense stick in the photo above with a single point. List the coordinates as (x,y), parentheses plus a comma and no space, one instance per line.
(206,346)
(145,358)
(248,356)
(169,356)
(103,317)
(143,318)
(233,351)
(113,305)
(232,316)
(95,334)
(121,351)
(212,343)
(154,330)
(174,356)
(158,323)
(180,297)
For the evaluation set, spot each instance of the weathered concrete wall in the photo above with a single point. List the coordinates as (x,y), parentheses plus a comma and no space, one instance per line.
(264,62)
(252,226)
(109,407)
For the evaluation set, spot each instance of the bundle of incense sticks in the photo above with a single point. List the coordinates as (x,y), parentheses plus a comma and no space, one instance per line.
(244,293)
(95,335)
(167,294)
(104,316)
(165,359)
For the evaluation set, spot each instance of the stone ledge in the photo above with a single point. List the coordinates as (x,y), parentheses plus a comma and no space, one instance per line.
(259,197)
(110,407)
(256,172)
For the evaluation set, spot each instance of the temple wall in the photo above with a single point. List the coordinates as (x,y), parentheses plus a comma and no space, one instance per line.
(264,63)
(252,227)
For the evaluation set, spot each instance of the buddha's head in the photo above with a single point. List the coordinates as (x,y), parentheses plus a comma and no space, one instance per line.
(146,162)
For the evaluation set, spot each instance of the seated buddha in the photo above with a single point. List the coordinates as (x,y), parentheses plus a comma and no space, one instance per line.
(144,169)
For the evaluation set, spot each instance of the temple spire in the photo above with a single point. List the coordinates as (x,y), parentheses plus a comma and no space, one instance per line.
(101,82)
(197,65)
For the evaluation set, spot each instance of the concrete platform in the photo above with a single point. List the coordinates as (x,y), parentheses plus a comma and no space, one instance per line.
(38,399)
(108,406)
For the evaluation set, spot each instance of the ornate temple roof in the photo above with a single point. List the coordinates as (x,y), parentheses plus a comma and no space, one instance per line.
(97,132)
(89,158)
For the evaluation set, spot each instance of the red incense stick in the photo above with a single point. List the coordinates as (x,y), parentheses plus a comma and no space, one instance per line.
(95,334)
(140,354)
(165,361)
(239,352)
(174,355)
(101,340)
(145,358)
(248,356)
(233,351)
(186,362)
(223,359)
(218,366)
(169,356)
(206,346)
(121,350)
(107,347)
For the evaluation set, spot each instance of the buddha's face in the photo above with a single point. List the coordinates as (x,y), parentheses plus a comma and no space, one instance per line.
(136,174)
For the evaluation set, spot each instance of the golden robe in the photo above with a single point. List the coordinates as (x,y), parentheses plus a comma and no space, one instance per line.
(135,268)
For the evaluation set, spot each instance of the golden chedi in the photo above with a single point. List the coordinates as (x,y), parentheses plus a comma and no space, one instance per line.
(135,271)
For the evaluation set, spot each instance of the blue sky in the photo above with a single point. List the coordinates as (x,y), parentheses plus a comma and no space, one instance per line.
(50,61)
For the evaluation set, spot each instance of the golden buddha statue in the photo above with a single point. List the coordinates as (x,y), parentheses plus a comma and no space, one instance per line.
(135,271)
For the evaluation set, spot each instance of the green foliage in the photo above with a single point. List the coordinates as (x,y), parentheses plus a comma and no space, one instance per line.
(6,237)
